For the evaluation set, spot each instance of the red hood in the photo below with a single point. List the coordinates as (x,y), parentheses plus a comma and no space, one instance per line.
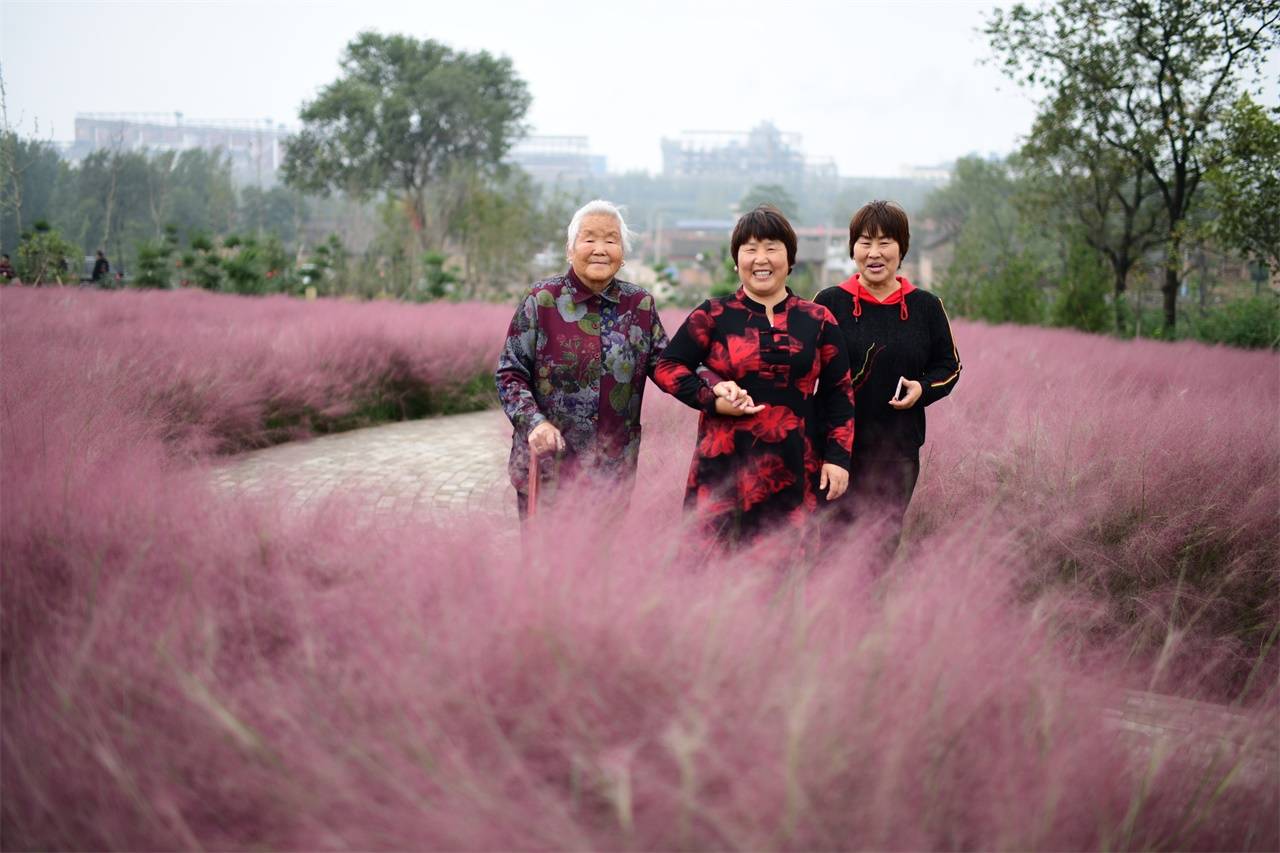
(858,290)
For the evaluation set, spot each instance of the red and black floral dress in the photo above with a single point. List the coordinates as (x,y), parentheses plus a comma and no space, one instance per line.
(753,472)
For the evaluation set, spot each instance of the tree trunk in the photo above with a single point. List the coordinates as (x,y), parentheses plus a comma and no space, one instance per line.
(1122,283)
(1170,291)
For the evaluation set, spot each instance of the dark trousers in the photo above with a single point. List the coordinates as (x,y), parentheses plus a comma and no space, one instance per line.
(880,489)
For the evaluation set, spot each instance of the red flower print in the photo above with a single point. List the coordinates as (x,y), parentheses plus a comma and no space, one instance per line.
(811,461)
(717,437)
(744,351)
(699,325)
(761,478)
(826,353)
(843,435)
(773,424)
(807,383)
(718,360)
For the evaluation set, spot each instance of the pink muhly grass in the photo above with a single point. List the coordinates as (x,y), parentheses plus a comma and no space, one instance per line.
(186,669)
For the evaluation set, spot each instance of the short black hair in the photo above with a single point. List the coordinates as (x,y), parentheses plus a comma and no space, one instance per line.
(881,219)
(765,222)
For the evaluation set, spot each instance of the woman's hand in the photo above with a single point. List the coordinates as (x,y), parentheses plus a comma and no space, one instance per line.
(913,391)
(834,479)
(546,439)
(731,399)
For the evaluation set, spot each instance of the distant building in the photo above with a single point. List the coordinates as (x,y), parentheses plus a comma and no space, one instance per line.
(940,174)
(762,155)
(557,159)
(691,240)
(254,146)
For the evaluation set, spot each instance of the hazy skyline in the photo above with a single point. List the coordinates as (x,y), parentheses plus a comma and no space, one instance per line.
(875,86)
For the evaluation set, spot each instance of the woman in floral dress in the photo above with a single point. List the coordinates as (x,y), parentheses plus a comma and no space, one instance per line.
(572,373)
(759,461)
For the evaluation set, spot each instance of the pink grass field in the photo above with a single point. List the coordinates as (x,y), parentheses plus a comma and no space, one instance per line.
(183,668)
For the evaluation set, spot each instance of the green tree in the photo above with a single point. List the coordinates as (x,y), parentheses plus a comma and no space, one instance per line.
(403,114)
(1152,76)
(279,211)
(502,223)
(774,194)
(1246,183)
(29,174)
(1000,261)
(44,256)
(155,260)
(1074,182)
(1080,301)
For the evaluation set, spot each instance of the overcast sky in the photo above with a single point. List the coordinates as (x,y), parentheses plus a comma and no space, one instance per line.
(874,85)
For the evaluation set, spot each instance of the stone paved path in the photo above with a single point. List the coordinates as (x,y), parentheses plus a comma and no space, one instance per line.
(425,466)
(459,462)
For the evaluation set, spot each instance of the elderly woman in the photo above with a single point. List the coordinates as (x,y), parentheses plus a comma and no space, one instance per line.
(572,373)
(903,359)
(762,458)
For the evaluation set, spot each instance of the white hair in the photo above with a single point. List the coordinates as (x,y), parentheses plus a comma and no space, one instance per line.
(598,206)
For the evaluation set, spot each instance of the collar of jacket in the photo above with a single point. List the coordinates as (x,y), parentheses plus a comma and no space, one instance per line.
(581,293)
(752,305)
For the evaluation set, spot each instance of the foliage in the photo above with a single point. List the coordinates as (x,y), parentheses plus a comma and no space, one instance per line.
(999,263)
(1253,322)
(774,194)
(1075,183)
(1246,182)
(501,223)
(1080,300)
(44,256)
(404,114)
(728,282)
(29,172)
(279,211)
(438,281)
(1150,79)
(155,266)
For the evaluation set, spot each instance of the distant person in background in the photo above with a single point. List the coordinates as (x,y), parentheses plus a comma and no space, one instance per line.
(902,359)
(101,270)
(6,269)
(572,373)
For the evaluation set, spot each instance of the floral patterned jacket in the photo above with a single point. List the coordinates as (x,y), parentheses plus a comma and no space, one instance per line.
(580,360)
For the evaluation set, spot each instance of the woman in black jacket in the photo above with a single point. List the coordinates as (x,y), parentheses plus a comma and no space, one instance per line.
(901,357)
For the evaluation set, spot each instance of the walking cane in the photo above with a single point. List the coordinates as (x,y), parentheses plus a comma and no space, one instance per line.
(533,482)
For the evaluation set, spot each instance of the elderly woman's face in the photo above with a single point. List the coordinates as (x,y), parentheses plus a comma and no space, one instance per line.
(597,251)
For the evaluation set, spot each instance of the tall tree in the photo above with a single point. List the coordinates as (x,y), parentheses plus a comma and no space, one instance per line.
(1154,76)
(403,114)
(1078,183)
(1246,183)
(999,264)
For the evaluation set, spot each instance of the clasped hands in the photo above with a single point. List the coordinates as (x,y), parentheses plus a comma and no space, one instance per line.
(734,401)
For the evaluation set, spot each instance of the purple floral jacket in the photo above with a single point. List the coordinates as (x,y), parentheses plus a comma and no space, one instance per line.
(579,359)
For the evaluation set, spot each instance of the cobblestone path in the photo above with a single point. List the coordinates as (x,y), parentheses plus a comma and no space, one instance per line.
(456,462)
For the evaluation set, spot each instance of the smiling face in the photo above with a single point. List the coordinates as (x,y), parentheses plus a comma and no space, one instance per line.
(596,255)
(763,269)
(877,258)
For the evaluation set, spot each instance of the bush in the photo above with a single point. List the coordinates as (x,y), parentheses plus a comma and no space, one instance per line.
(1083,296)
(44,256)
(1253,322)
